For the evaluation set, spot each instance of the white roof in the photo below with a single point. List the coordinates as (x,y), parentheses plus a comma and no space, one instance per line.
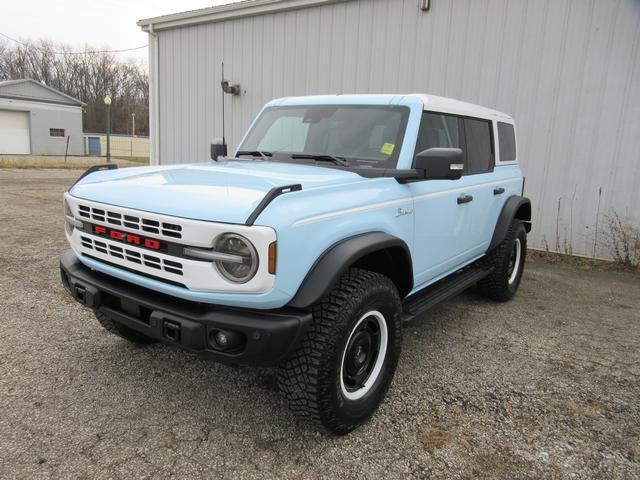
(430,102)
(452,105)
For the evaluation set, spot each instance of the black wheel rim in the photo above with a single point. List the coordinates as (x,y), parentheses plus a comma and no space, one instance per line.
(361,354)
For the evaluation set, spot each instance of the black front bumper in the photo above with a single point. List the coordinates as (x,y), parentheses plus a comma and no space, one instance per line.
(268,335)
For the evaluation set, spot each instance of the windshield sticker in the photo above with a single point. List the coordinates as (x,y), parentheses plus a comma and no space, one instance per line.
(387,148)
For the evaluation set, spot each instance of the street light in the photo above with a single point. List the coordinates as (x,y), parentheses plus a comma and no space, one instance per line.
(107,102)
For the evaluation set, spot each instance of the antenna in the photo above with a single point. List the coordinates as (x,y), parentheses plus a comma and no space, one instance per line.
(224,141)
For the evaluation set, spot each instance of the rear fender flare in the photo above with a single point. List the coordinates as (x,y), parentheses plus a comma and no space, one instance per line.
(515,207)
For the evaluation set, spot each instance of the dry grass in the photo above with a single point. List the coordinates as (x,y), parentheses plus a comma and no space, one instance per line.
(580,262)
(70,164)
(435,437)
(588,410)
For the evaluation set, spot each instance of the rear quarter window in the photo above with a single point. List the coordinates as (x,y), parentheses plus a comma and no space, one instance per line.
(507,142)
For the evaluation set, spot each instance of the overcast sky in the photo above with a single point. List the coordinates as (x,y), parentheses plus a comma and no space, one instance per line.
(99,23)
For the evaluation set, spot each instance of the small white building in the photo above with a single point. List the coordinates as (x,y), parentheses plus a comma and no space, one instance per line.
(567,71)
(39,120)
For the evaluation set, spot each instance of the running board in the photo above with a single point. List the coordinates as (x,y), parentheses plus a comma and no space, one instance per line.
(442,290)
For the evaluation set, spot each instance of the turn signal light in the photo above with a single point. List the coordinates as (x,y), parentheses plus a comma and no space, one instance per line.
(273,251)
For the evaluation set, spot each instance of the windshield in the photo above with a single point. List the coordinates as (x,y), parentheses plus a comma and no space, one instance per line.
(355,135)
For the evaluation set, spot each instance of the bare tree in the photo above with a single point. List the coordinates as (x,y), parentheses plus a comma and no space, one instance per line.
(89,76)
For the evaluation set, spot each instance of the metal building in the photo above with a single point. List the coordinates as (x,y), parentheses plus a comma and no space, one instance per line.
(39,120)
(568,71)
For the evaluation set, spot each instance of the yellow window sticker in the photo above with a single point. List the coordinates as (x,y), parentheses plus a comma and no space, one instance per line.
(387,148)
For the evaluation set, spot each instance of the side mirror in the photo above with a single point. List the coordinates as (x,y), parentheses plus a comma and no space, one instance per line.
(218,149)
(440,163)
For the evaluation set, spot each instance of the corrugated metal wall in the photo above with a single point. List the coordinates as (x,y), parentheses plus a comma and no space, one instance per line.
(567,70)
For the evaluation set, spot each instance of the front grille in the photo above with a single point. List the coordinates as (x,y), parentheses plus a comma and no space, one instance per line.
(132,256)
(136,222)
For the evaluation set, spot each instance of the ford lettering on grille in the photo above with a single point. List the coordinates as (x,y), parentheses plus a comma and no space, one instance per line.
(129,238)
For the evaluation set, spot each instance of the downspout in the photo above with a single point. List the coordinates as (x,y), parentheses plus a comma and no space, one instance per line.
(155,138)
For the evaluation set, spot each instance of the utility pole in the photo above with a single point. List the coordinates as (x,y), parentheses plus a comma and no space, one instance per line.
(107,102)
(133,124)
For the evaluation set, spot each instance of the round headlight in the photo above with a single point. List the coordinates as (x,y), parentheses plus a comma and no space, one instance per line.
(243,258)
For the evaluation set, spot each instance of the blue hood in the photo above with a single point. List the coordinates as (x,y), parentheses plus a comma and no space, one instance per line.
(221,192)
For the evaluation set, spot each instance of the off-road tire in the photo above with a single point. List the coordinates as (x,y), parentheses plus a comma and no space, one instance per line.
(122,330)
(311,379)
(497,285)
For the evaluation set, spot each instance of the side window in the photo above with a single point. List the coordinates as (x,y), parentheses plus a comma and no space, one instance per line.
(507,142)
(479,148)
(439,131)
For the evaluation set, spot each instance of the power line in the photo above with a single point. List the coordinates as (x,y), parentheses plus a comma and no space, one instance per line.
(86,52)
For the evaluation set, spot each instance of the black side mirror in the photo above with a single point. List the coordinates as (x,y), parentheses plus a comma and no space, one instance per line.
(440,163)
(218,149)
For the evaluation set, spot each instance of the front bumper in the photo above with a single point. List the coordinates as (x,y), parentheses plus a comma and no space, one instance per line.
(268,335)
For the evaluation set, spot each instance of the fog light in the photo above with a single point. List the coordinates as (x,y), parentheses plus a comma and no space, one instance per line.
(226,340)
(221,339)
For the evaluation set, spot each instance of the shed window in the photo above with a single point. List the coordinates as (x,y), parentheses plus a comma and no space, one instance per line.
(56,132)
(507,142)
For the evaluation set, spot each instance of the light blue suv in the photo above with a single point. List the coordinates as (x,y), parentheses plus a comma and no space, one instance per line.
(337,219)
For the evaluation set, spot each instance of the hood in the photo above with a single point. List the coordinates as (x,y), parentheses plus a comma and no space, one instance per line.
(220,192)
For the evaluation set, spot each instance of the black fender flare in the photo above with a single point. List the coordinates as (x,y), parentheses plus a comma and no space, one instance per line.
(515,207)
(334,262)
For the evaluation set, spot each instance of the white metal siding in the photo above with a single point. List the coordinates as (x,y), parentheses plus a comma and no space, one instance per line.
(14,132)
(567,70)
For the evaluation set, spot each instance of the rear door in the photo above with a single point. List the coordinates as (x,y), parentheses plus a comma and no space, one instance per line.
(451,216)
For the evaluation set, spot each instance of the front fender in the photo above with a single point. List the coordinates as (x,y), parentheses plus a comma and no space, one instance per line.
(335,261)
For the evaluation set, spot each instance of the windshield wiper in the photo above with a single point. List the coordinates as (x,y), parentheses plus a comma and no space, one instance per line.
(255,153)
(323,158)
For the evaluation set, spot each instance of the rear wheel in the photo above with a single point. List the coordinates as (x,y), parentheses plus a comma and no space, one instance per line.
(342,369)
(122,330)
(507,261)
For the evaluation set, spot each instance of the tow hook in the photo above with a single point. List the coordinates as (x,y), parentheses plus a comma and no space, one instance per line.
(80,292)
(171,330)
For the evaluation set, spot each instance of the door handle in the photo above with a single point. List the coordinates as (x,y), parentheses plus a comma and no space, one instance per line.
(464,199)
(498,191)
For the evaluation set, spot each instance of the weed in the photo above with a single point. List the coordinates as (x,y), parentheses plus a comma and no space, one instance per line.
(623,241)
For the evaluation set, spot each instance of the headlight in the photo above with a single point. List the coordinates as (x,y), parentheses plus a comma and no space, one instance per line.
(242,262)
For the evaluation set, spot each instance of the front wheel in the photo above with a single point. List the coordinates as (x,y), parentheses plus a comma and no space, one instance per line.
(341,371)
(507,261)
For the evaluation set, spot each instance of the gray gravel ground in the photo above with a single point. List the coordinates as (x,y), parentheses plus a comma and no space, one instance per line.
(545,386)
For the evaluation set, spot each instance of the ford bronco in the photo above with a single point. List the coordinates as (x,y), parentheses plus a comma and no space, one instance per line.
(337,219)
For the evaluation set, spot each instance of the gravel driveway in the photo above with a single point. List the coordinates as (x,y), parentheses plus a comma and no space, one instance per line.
(545,386)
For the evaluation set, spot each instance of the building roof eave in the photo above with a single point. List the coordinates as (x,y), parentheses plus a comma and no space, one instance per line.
(219,13)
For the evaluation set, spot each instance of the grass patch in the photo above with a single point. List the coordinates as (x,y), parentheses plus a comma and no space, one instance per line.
(580,262)
(141,160)
(435,437)
(72,163)
(63,165)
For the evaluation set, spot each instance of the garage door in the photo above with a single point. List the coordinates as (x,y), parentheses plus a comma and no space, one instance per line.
(14,132)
